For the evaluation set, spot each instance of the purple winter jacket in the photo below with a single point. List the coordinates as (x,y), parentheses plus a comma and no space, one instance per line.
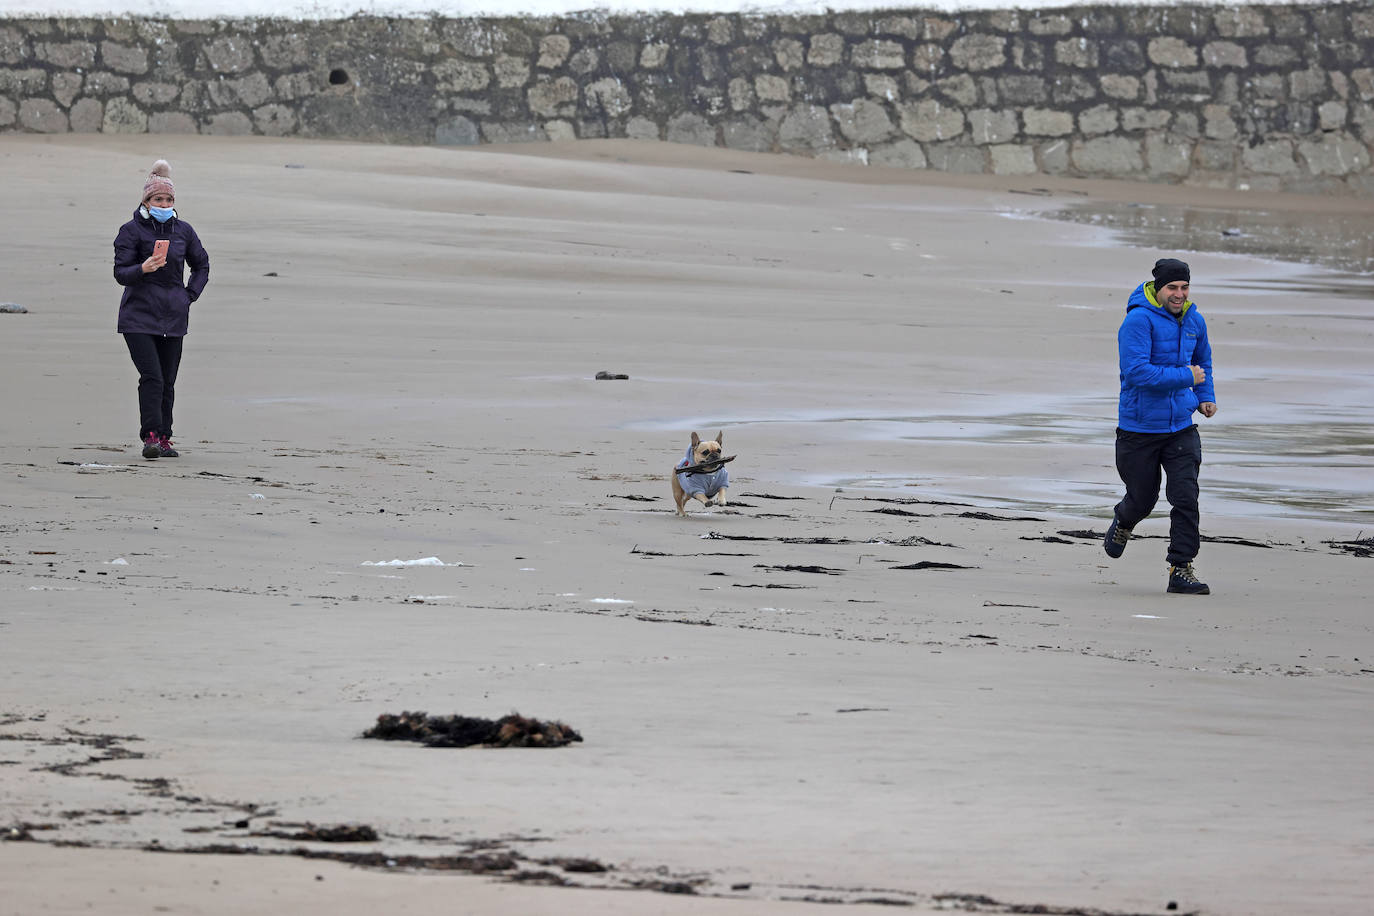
(160,302)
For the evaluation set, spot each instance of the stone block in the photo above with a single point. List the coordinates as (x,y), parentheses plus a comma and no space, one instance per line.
(771,88)
(790,54)
(156,94)
(124,58)
(65,86)
(1268,86)
(1362,25)
(1115,156)
(1053,156)
(826,50)
(854,23)
(511,72)
(929,120)
(1012,159)
(882,86)
(563,131)
(14,47)
(230,54)
(1240,22)
(1329,22)
(862,121)
(88,115)
(653,56)
(1168,155)
(69,55)
(226,124)
(1120,86)
(720,30)
(960,89)
(1364,82)
(902,154)
(178,122)
(1272,157)
(748,60)
(513,132)
(979,51)
(1146,119)
(1045,122)
(553,98)
(937,28)
(1019,89)
(1276,56)
(122,116)
(957,157)
(753,134)
(283,52)
(42,116)
(1050,24)
(1077,52)
(584,61)
(1027,54)
(641,128)
(273,120)
(1172,52)
(9,112)
(249,92)
(609,97)
(554,51)
(905,26)
(754,28)
(806,128)
(1123,56)
(691,128)
(927,58)
(1223,54)
(877,54)
(292,86)
(913,85)
(741,94)
(1194,85)
(1186,124)
(460,76)
(1332,115)
(1073,87)
(1218,123)
(103,83)
(987,126)
(1307,84)
(1100,119)
(1336,155)
(1215,156)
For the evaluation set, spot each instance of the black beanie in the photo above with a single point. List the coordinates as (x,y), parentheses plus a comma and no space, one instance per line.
(1168,270)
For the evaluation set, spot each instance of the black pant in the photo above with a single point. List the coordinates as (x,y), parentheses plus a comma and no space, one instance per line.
(157,359)
(1140,459)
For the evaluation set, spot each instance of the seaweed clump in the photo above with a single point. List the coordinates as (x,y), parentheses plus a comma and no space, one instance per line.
(513,730)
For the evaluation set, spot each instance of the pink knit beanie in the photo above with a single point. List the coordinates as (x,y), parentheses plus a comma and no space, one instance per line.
(158,180)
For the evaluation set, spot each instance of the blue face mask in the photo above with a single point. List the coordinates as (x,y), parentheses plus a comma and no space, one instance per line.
(162,214)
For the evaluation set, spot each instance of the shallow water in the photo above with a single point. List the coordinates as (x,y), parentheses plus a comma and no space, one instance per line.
(1338,241)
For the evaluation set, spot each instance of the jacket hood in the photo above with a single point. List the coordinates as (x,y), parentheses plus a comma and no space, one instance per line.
(1144,295)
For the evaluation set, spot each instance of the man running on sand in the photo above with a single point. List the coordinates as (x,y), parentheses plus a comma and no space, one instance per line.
(1166,374)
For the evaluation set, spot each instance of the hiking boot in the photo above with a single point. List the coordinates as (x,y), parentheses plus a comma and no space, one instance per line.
(164,448)
(152,446)
(1115,541)
(1183,581)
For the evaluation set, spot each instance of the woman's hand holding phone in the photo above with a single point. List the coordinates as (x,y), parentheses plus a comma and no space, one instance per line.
(158,258)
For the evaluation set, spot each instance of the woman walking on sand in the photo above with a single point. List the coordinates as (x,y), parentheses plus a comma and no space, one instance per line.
(150,256)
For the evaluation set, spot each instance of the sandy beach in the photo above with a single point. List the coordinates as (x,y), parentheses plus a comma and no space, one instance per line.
(897,670)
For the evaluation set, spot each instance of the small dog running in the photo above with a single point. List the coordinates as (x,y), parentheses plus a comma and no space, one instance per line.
(701,474)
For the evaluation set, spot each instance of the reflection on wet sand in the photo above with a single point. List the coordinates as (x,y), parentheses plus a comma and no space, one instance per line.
(1340,240)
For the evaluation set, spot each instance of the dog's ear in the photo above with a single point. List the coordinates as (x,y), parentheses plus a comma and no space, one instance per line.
(696,440)
(720,438)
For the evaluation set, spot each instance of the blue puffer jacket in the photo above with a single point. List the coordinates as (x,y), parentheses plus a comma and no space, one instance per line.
(159,302)
(1156,349)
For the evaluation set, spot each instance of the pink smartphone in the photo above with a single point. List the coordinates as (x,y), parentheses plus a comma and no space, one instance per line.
(160,248)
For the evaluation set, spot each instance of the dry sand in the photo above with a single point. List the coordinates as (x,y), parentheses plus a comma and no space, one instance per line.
(394,361)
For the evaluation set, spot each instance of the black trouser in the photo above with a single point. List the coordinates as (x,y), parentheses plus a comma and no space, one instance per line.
(157,359)
(1140,458)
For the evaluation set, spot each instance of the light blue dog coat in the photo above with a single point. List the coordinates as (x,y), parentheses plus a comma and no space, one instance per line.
(707,485)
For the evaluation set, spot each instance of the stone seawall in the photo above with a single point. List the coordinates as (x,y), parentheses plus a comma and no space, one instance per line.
(1265,97)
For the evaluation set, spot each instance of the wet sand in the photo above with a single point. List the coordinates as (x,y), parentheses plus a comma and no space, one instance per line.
(897,668)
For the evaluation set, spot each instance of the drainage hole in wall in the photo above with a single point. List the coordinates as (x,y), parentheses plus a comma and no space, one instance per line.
(338,77)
